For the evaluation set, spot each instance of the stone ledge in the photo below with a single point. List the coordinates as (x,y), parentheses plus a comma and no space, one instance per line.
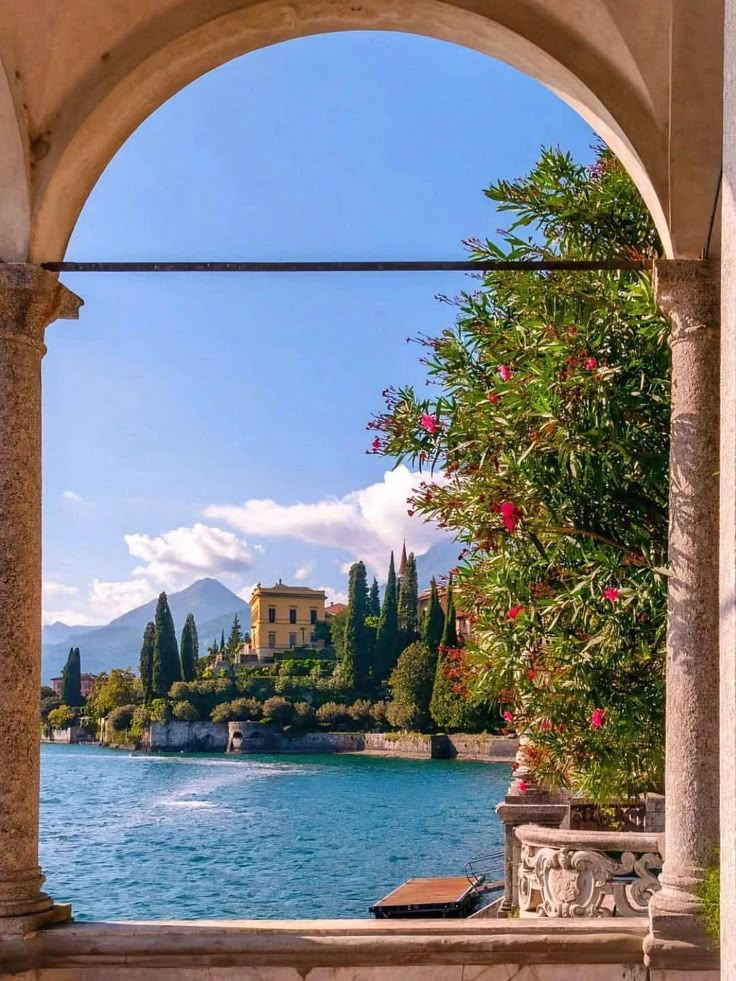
(307,944)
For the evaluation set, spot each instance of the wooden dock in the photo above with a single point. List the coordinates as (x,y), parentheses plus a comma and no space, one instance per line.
(454,896)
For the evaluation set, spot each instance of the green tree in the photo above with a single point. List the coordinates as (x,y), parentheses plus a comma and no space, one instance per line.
(166,666)
(71,680)
(356,652)
(449,705)
(189,649)
(411,684)
(236,636)
(110,690)
(62,717)
(551,420)
(145,666)
(433,621)
(374,599)
(449,632)
(222,641)
(388,640)
(408,599)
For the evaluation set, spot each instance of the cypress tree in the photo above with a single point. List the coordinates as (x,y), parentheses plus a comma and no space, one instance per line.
(236,636)
(449,634)
(145,667)
(355,648)
(433,622)
(189,649)
(409,599)
(166,667)
(387,636)
(374,600)
(71,680)
(222,640)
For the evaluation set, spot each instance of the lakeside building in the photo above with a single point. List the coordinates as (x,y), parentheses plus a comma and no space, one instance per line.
(463,619)
(87,680)
(283,618)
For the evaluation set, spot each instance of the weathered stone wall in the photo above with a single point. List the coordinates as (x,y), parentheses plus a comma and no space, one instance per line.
(192,736)
(74,734)
(499,749)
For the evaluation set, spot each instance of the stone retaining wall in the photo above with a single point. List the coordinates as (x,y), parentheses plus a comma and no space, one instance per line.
(193,736)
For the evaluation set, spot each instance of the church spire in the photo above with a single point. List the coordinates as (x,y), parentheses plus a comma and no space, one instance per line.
(402,564)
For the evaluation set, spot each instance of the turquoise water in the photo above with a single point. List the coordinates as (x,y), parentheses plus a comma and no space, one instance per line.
(132,837)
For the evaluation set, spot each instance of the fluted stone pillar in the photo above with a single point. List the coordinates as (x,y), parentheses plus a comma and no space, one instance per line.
(688,292)
(30,299)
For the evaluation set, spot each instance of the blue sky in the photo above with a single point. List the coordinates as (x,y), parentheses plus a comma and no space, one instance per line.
(215,424)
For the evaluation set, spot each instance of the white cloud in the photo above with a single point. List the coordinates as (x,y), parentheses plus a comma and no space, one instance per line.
(68,615)
(366,523)
(177,557)
(304,572)
(246,592)
(70,495)
(51,589)
(334,596)
(108,600)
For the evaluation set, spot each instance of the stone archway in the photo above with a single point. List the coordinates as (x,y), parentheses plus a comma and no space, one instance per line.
(112,68)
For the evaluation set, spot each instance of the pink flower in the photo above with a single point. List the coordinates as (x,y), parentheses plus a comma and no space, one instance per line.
(522,786)
(514,612)
(531,674)
(504,372)
(508,716)
(611,593)
(492,397)
(376,444)
(510,516)
(429,423)
(545,724)
(590,364)
(597,719)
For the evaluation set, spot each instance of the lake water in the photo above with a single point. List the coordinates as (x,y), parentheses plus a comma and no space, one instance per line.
(199,836)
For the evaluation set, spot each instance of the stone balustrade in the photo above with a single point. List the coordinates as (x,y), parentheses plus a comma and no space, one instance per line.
(589,874)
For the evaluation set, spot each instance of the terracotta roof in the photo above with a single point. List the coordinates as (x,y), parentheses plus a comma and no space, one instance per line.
(282,588)
(334,608)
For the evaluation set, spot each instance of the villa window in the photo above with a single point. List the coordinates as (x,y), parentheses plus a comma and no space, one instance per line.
(312,616)
(272,614)
(292,615)
(271,640)
(292,640)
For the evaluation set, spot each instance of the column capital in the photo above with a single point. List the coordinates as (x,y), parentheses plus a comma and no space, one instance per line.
(30,299)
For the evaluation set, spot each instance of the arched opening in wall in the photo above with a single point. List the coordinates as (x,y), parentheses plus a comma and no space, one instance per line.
(219,443)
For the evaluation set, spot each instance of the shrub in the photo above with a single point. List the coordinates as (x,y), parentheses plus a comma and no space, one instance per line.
(140,722)
(239,710)
(160,711)
(121,717)
(405,715)
(62,717)
(279,710)
(360,713)
(379,714)
(711,896)
(48,704)
(332,715)
(184,712)
(304,715)
(180,691)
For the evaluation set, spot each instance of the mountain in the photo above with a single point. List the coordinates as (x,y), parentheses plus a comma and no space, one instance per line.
(55,633)
(118,644)
(437,561)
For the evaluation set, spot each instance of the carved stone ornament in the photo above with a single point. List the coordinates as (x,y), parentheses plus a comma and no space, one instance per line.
(586,874)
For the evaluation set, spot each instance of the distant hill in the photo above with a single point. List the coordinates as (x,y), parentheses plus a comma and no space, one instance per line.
(437,561)
(118,644)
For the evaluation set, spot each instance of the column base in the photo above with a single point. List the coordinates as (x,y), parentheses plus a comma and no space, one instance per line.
(677,937)
(25,924)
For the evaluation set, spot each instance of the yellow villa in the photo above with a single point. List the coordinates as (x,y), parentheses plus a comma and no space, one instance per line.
(284,617)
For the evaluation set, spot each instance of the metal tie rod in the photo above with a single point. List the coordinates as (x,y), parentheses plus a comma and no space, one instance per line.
(485,265)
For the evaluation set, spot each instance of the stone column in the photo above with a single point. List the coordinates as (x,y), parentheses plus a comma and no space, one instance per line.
(728,506)
(30,299)
(688,292)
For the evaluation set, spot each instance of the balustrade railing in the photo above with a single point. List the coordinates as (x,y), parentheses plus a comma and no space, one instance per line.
(586,873)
